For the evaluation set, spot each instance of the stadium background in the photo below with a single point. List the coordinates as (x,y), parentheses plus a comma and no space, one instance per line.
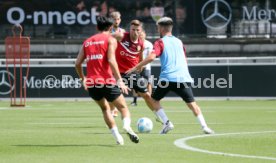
(242,45)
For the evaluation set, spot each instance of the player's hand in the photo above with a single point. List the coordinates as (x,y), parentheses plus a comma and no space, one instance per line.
(84,83)
(139,70)
(134,69)
(123,87)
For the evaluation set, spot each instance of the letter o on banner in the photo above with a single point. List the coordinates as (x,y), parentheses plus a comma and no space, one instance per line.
(11,12)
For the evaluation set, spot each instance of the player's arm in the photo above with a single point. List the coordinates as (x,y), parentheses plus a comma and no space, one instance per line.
(78,67)
(141,58)
(112,45)
(158,48)
(147,60)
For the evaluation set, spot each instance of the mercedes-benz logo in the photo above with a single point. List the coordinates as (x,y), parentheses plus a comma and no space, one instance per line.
(5,85)
(218,15)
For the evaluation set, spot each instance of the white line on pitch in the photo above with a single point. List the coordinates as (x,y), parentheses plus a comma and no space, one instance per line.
(4,108)
(182,143)
(16,108)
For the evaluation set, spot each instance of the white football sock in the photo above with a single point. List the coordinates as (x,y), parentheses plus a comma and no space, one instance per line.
(201,120)
(158,118)
(115,132)
(160,113)
(126,122)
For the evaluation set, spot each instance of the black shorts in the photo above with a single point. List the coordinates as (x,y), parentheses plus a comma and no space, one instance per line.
(181,89)
(135,81)
(109,92)
(146,74)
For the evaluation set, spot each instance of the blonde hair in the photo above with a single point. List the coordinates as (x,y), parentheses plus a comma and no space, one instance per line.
(115,14)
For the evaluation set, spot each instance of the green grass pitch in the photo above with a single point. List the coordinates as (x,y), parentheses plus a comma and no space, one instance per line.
(74,131)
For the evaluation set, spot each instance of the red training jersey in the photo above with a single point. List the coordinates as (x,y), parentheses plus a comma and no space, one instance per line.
(128,53)
(98,70)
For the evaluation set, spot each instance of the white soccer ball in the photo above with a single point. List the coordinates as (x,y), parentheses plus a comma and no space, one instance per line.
(144,125)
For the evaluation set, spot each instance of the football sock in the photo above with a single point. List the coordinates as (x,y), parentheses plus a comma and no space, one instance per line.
(126,122)
(115,132)
(201,120)
(160,113)
(134,99)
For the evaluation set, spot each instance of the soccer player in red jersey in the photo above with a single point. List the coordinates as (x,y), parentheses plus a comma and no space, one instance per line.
(146,72)
(99,52)
(128,54)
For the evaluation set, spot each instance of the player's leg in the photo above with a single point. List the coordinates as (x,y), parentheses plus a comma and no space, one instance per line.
(152,101)
(197,112)
(147,97)
(114,96)
(135,95)
(113,110)
(139,84)
(97,95)
(147,75)
(185,92)
(149,87)
(109,120)
(154,104)
(121,105)
(157,95)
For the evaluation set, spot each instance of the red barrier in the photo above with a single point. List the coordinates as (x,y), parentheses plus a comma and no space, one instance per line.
(17,63)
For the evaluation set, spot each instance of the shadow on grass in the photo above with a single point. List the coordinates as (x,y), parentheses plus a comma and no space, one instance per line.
(76,116)
(96,133)
(78,127)
(63,145)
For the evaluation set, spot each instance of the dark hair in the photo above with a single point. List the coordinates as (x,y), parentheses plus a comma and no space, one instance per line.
(104,23)
(136,23)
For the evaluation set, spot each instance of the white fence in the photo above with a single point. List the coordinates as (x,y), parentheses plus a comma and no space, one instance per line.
(210,61)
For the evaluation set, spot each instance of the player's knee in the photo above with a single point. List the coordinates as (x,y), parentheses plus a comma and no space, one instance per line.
(104,109)
(121,105)
(145,95)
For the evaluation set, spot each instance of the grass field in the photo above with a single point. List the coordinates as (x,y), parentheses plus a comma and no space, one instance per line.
(60,132)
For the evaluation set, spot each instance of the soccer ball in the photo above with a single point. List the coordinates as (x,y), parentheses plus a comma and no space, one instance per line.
(144,125)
